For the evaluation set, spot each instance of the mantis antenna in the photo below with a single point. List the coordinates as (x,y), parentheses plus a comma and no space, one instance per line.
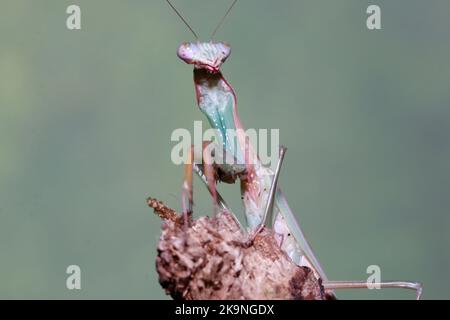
(223,19)
(182,19)
(192,30)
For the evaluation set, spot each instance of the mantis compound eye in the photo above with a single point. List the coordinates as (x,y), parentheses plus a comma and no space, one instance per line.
(225,48)
(185,52)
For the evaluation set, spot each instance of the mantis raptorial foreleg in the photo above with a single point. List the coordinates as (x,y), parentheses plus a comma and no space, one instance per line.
(188,188)
(220,201)
(209,171)
(187,197)
(210,174)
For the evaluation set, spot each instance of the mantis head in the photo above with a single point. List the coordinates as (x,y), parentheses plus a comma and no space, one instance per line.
(204,55)
(208,56)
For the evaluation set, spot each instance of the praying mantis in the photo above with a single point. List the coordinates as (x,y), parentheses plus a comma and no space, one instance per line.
(264,203)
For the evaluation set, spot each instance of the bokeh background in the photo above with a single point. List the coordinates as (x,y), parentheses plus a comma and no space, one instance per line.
(86,118)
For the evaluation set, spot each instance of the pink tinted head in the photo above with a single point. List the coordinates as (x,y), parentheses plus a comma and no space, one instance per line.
(204,55)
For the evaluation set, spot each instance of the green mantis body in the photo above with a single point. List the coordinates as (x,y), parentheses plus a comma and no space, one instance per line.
(217,100)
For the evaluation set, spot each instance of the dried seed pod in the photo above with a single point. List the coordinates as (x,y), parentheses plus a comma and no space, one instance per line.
(210,260)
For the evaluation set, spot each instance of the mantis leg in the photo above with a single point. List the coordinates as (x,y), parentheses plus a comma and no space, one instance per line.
(208,167)
(208,175)
(365,285)
(187,188)
(268,213)
(220,201)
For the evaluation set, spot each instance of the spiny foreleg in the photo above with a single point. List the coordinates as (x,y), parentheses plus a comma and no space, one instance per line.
(216,165)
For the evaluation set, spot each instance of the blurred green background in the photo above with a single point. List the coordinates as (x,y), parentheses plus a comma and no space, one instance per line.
(86,118)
